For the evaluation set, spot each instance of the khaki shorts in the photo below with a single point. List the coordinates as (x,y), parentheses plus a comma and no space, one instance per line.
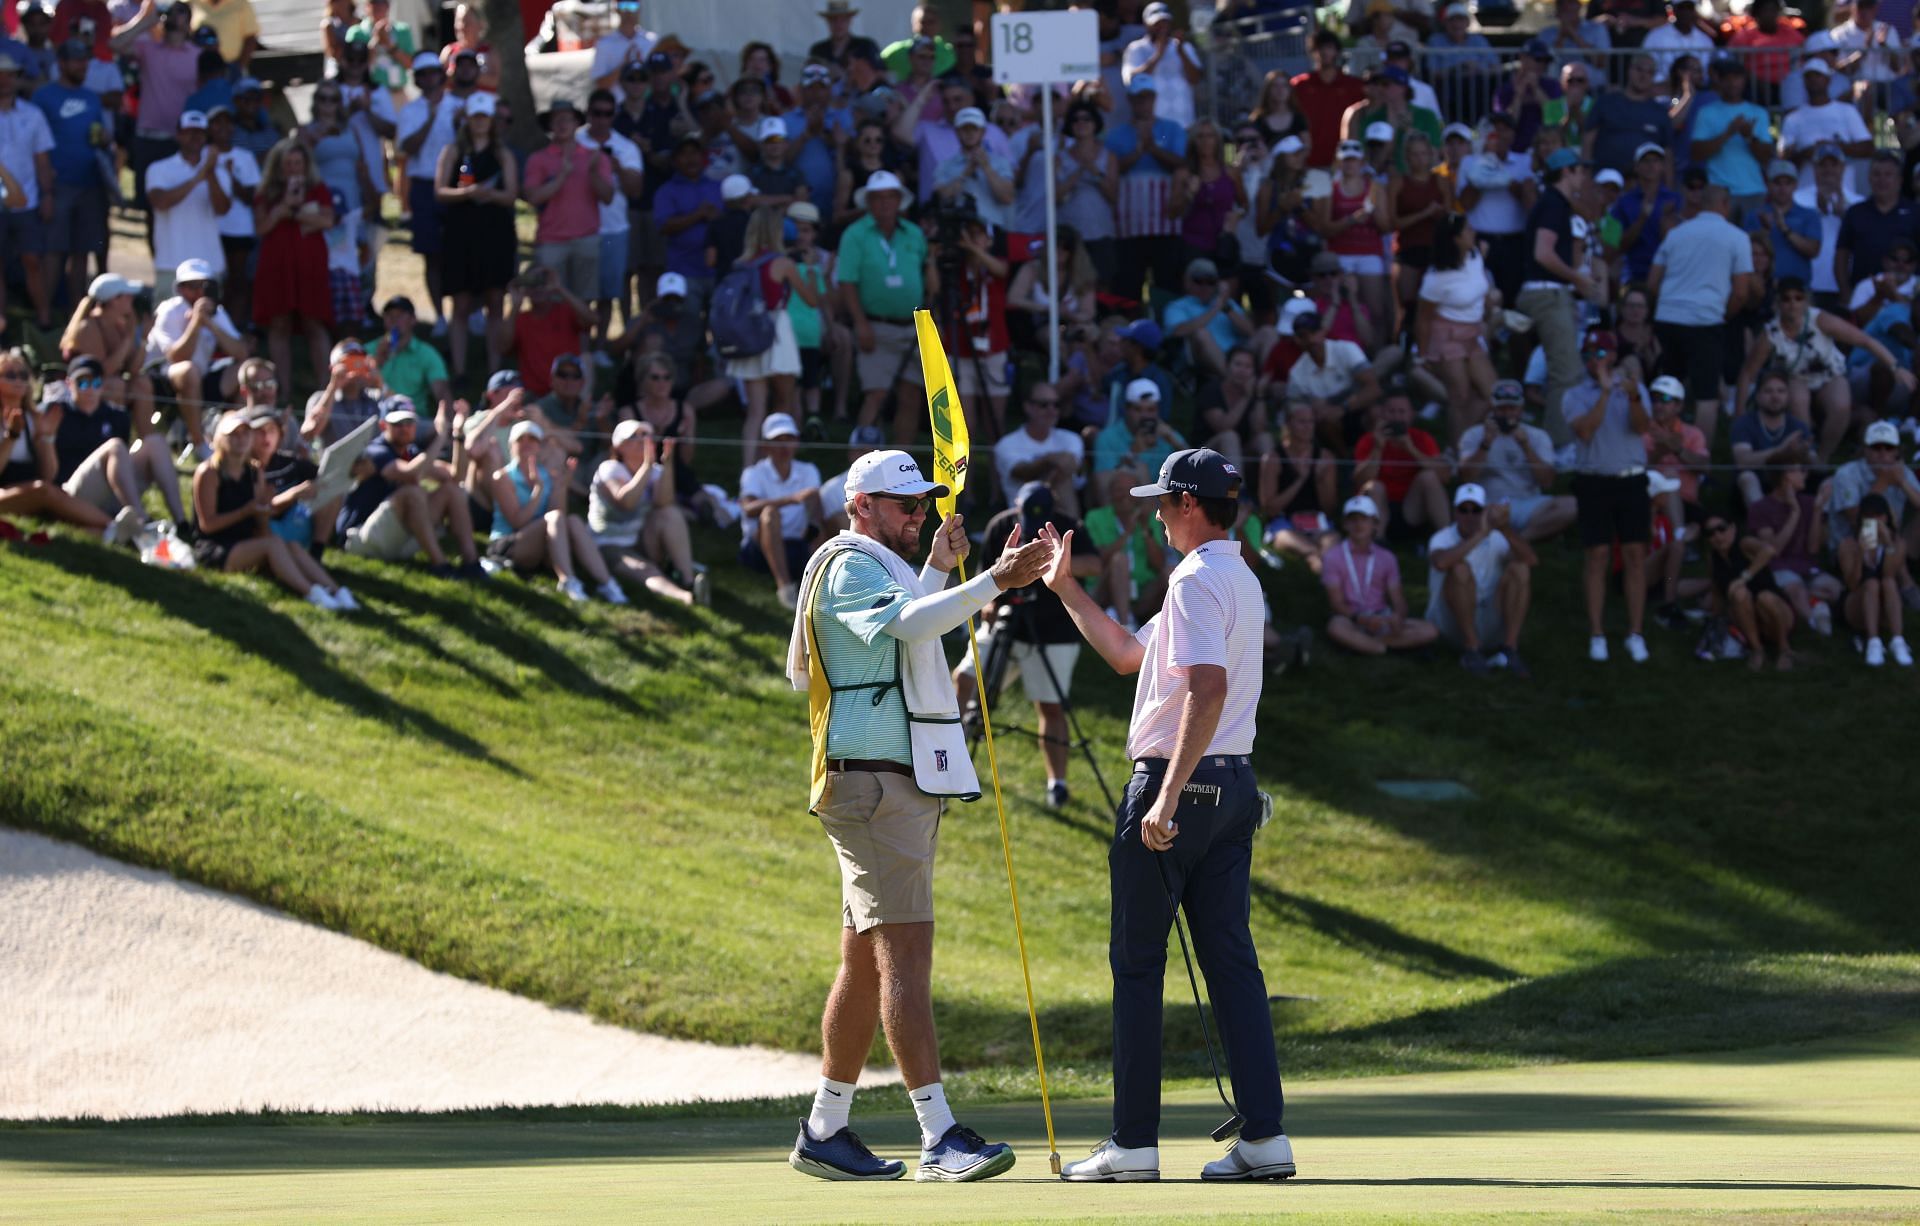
(90,484)
(883,829)
(384,536)
(967,373)
(1025,663)
(896,355)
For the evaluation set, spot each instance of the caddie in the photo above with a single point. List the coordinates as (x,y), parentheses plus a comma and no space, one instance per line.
(887,749)
(1186,821)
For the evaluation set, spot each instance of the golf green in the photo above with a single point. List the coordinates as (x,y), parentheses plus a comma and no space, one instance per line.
(1824,1129)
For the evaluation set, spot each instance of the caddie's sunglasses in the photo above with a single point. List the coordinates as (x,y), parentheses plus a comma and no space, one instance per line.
(910,504)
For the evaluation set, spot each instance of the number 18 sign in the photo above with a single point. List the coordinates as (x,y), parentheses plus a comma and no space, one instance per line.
(1036,48)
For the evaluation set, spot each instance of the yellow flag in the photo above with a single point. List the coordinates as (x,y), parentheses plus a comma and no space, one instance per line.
(950,442)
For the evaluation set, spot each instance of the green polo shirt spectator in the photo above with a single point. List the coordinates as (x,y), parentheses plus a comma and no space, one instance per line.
(1419,119)
(391,68)
(887,271)
(411,367)
(894,57)
(1102,527)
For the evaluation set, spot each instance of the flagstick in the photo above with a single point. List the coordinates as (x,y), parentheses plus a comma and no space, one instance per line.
(1013,889)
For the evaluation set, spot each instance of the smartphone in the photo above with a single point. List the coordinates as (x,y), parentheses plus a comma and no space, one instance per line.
(1870,534)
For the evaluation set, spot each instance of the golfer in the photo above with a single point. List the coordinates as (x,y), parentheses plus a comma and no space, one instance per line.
(1186,823)
(887,747)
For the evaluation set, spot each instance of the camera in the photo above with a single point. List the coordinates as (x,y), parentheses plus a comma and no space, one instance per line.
(1398,429)
(950,219)
(1507,425)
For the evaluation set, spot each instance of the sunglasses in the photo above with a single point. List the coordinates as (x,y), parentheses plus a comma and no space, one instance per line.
(1663,398)
(599,112)
(1717,529)
(83,385)
(14,376)
(566,374)
(1881,447)
(1468,508)
(911,505)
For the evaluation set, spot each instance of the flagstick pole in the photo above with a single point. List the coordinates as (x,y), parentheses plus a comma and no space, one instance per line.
(1013,888)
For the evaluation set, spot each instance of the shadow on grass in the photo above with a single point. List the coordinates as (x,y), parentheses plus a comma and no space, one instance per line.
(264,633)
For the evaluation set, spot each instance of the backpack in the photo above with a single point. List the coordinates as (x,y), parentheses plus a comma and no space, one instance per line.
(742,326)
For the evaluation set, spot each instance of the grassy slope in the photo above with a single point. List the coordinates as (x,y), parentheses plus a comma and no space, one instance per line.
(605,809)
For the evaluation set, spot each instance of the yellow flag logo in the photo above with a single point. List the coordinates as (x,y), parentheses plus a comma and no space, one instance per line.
(951,444)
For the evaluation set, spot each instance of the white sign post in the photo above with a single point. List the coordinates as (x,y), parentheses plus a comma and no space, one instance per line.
(1040,49)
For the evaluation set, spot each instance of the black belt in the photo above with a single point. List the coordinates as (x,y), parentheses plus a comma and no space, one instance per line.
(1153,766)
(877,766)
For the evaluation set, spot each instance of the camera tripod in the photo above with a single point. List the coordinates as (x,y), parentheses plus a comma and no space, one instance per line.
(994,672)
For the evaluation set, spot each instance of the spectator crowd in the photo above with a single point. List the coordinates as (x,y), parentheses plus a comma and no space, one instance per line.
(1641,285)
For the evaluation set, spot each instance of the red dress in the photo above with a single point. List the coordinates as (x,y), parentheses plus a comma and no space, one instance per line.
(292,276)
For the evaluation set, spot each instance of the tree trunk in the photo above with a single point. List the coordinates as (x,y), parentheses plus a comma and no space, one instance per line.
(509,42)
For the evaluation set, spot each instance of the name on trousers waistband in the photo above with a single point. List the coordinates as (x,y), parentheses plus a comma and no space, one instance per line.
(1210,762)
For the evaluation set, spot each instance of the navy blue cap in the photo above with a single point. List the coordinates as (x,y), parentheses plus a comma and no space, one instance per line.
(1538,49)
(1034,498)
(1727,63)
(1200,471)
(659,61)
(1142,332)
(503,379)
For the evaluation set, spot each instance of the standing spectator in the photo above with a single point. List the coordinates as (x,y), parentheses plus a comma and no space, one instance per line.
(1324,96)
(1279,114)
(531,526)
(1869,55)
(1789,520)
(90,21)
(1874,568)
(1682,34)
(169,69)
(253,124)
(937,140)
(625,44)
(634,520)
(975,171)
(1480,583)
(1551,280)
(1362,578)
(232,503)
(470,40)
(1335,378)
(1399,467)
(1607,415)
(189,331)
(1626,120)
(567,185)
(1086,185)
(1823,119)
(390,44)
(390,516)
(78,125)
(1419,197)
(293,210)
(1870,228)
(1531,95)
(1207,196)
(1575,39)
(26,142)
(976,330)
(776,183)
(683,207)
(1354,218)
(425,128)
(1702,276)
(543,320)
(1733,137)
(884,270)
(1465,64)
(647,117)
(237,238)
(1041,451)
(780,513)
(816,131)
(1767,43)
(623,158)
(841,43)
(477,181)
(1792,229)
(1169,59)
(777,278)
(1149,150)
(1513,462)
(188,193)
(102,457)
(924,21)
(1830,198)
(1449,325)
(1498,190)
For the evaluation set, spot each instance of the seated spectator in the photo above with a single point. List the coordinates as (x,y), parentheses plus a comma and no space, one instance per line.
(1873,568)
(104,326)
(1139,359)
(101,459)
(351,396)
(290,475)
(1079,286)
(531,527)
(1676,448)
(635,521)
(29,465)
(1228,408)
(190,331)
(1513,461)
(1767,437)
(1480,583)
(1208,320)
(390,516)
(543,320)
(1789,521)
(1336,379)
(1878,471)
(188,192)
(1802,341)
(1135,563)
(1745,592)
(1136,438)
(1399,467)
(232,503)
(292,211)
(1041,451)
(1297,479)
(780,515)
(1363,587)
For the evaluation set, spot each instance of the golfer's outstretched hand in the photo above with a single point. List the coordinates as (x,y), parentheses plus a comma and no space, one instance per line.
(1020,565)
(1060,568)
(950,543)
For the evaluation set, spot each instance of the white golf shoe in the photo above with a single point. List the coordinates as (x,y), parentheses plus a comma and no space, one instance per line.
(1270,1158)
(1110,1163)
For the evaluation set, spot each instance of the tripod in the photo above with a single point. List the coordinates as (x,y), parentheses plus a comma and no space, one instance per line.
(1014,618)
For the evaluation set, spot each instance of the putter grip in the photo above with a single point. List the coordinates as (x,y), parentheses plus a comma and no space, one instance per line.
(1055,1159)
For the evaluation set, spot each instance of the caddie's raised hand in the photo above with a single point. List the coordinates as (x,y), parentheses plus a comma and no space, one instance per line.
(1020,565)
(950,543)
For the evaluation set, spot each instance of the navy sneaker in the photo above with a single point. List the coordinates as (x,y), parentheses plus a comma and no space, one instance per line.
(963,1156)
(841,1156)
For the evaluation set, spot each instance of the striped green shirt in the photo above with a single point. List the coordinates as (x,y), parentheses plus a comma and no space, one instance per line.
(854,600)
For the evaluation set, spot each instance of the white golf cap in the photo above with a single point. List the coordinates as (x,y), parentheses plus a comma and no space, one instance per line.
(1649,147)
(779,425)
(1295,308)
(195,269)
(1457,129)
(231,421)
(1456,9)
(108,286)
(1379,129)
(771,128)
(970,117)
(480,103)
(1143,389)
(1659,484)
(1669,387)
(670,284)
(1290,144)
(1470,492)
(404,411)
(883,181)
(1610,175)
(522,429)
(626,430)
(1350,149)
(193,119)
(1815,68)
(1156,12)
(734,187)
(1360,504)
(890,472)
(1883,434)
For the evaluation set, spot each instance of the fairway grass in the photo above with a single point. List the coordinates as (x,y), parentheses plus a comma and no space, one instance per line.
(1829,1129)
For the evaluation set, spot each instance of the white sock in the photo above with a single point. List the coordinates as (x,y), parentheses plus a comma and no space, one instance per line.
(930,1104)
(831,1104)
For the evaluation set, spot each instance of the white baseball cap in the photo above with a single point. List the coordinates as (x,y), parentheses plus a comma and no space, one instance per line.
(1457,129)
(1610,175)
(1290,144)
(195,269)
(779,425)
(771,128)
(1350,149)
(734,187)
(1883,433)
(1295,308)
(193,119)
(1470,492)
(1670,387)
(1379,129)
(883,181)
(1143,389)
(970,117)
(108,286)
(670,283)
(1360,504)
(890,472)
(525,429)
(626,430)
(1156,12)
(1649,147)
(231,421)
(481,103)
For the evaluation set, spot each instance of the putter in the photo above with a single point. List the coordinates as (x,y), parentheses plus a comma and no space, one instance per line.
(1232,1127)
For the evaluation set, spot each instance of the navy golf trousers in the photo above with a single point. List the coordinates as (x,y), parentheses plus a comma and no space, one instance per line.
(1207,869)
